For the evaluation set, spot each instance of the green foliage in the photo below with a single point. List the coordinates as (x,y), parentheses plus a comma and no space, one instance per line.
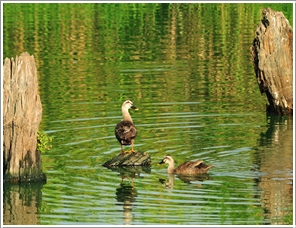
(288,217)
(43,141)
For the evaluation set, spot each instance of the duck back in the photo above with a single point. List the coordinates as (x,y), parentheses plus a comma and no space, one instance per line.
(125,132)
(192,168)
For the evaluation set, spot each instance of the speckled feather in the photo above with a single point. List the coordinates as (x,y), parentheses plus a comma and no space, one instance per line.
(125,132)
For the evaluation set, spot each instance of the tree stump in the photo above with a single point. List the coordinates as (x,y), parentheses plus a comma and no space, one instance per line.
(272,55)
(22,113)
(129,159)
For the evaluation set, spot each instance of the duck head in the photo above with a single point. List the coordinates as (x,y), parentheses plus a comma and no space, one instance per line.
(167,159)
(128,104)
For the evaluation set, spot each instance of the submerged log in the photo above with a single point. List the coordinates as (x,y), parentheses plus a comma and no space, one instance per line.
(129,159)
(22,113)
(130,171)
(272,55)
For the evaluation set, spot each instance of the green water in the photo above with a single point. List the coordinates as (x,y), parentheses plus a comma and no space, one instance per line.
(188,69)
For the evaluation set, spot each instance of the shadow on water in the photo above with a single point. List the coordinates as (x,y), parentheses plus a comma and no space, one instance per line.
(274,160)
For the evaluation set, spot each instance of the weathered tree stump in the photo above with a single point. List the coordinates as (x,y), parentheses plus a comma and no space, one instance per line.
(129,159)
(272,55)
(22,113)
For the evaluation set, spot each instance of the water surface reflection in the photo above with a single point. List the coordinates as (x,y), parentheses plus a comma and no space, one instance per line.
(274,161)
(22,203)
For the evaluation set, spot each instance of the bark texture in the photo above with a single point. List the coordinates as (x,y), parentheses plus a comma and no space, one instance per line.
(272,55)
(22,113)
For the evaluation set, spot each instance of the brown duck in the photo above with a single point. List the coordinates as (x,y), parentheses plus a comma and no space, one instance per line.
(125,130)
(187,168)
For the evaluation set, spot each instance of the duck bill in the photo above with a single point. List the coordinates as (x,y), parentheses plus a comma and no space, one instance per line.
(161,162)
(134,107)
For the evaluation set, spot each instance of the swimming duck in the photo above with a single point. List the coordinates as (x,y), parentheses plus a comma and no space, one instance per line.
(187,168)
(125,130)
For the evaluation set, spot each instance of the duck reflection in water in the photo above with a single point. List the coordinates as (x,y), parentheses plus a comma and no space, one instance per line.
(127,194)
(188,179)
(170,183)
(130,172)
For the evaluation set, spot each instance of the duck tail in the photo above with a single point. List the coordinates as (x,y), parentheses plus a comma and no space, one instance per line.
(210,166)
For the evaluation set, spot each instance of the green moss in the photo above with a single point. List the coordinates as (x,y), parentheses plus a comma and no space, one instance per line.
(43,141)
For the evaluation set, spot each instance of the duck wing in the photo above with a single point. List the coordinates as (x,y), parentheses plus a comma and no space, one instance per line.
(196,164)
(189,165)
(192,168)
(125,131)
(203,166)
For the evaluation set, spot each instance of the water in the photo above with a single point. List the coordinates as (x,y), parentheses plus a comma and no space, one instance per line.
(188,70)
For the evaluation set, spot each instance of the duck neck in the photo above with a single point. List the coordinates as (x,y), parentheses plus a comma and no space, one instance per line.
(171,167)
(126,115)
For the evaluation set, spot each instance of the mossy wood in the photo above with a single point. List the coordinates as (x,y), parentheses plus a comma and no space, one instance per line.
(129,159)
(272,55)
(22,113)
(130,171)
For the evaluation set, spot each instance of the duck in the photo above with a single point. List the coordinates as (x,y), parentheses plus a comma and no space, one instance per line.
(187,168)
(125,130)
